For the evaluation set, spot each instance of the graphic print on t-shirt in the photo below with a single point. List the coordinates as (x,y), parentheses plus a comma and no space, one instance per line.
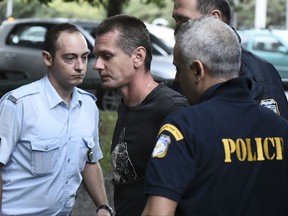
(122,167)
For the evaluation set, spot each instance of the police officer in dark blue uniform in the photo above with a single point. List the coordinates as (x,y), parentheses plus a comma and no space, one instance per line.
(225,155)
(267,88)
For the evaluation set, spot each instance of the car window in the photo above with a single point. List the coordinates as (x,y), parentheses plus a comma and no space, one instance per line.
(31,36)
(244,40)
(267,43)
(158,47)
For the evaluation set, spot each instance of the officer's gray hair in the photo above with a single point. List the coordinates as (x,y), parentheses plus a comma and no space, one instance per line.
(212,42)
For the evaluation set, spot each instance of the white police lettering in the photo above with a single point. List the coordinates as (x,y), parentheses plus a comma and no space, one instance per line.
(257,149)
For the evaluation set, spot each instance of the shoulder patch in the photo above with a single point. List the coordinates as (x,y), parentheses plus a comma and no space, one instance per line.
(12,98)
(23,91)
(161,147)
(173,130)
(270,104)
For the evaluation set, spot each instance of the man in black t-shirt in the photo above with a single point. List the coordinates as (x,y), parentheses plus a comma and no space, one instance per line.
(123,59)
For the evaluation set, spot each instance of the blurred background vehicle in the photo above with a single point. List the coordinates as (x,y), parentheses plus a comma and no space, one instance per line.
(270,44)
(21,43)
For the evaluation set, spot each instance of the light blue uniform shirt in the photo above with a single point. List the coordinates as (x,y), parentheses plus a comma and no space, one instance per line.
(44,145)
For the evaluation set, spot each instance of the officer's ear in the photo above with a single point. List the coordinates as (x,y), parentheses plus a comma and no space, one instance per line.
(217,14)
(47,58)
(199,70)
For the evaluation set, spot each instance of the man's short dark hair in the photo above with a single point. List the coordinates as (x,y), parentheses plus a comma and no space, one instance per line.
(53,35)
(132,34)
(207,6)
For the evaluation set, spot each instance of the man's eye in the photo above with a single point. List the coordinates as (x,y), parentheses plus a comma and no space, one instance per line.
(69,59)
(107,56)
(183,20)
(104,56)
(84,58)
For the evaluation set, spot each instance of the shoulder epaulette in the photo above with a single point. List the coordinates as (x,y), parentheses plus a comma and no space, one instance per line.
(24,91)
(83,92)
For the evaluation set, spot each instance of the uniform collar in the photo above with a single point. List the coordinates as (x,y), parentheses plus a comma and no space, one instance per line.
(238,36)
(235,89)
(53,97)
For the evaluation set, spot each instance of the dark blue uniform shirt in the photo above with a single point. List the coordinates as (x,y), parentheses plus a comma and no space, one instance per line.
(225,156)
(267,88)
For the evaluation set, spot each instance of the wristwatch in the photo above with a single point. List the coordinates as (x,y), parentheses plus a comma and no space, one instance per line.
(107,207)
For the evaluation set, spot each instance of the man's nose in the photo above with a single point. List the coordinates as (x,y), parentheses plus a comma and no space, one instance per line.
(80,64)
(99,65)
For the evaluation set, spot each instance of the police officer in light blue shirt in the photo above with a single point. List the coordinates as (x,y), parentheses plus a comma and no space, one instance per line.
(49,136)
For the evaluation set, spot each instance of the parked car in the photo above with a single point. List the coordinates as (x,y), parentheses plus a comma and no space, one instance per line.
(270,44)
(21,42)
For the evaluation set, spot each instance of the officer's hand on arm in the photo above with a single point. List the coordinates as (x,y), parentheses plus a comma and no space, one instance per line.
(157,205)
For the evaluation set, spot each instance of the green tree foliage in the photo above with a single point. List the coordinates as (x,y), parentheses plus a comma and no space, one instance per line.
(150,12)
(23,9)
(82,9)
(112,7)
(276,14)
(32,9)
(147,10)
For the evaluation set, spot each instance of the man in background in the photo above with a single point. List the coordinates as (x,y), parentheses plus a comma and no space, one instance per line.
(267,88)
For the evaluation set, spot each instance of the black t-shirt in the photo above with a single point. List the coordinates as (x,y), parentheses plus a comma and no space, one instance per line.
(133,141)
